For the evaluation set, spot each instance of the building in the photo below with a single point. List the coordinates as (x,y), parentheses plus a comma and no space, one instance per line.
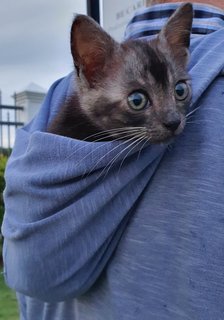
(30,98)
(26,104)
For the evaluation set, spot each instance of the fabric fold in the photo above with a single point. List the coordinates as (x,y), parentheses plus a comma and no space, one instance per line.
(69,203)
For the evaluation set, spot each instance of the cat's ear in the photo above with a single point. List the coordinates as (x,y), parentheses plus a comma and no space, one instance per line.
(177,32)
(91,46)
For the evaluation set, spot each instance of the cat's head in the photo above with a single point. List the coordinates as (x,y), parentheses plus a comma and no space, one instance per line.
(136,84)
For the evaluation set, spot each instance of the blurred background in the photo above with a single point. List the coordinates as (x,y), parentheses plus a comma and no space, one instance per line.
(35,50)
(34,38)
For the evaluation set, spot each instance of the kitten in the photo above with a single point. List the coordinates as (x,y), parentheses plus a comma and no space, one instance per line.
(136,88)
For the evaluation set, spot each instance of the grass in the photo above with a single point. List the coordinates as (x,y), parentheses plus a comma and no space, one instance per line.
(8,303)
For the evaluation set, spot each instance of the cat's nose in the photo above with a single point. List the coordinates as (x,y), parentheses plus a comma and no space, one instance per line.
(172,125)
(172,122)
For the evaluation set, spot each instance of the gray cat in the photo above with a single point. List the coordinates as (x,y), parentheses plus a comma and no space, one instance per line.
(134,89)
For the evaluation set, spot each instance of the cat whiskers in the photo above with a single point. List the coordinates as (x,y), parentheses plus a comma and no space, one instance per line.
(200,121)
(190,115)
(146,138)
(191,112)
(114,131)
(112,150)
(142,147)
(118,131)
(137,140)
(140,140)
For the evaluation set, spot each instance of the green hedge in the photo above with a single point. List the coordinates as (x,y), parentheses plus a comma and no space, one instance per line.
(3,160)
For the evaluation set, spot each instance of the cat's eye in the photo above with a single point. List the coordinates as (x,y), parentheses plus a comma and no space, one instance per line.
(181,90)
(138,100)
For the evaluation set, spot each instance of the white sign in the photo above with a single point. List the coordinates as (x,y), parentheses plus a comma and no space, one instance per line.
(116,14)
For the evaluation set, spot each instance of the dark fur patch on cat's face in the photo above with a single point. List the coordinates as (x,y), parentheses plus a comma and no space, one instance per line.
(110,73)
(157,66)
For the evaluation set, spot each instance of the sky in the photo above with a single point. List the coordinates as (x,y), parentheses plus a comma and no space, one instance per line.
(34,42)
